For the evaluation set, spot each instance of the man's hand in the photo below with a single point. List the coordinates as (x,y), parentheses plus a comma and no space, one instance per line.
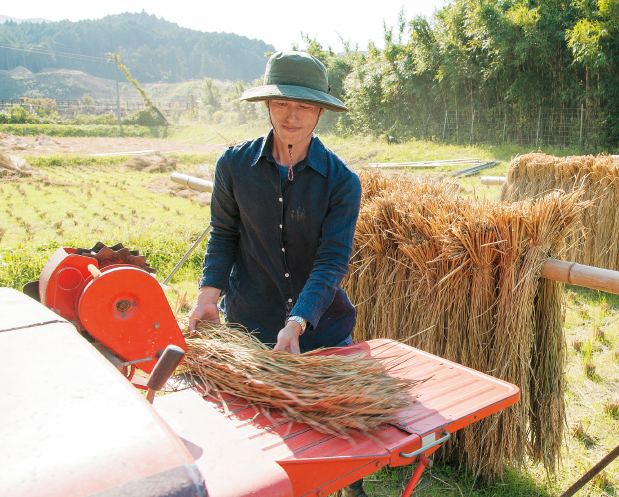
(205,309)
(288,338)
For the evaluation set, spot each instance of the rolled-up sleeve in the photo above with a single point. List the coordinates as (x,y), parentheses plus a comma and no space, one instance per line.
(224,238)
(334,251)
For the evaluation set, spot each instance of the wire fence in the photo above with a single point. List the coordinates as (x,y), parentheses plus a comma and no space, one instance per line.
(533,126)
(558,127)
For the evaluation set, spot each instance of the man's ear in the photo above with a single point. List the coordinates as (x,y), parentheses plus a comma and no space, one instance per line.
(322,111)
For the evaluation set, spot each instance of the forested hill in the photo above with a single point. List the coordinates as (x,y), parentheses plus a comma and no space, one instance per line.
(153,49)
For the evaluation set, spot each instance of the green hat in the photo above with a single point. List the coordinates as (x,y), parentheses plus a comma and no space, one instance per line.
(295,76)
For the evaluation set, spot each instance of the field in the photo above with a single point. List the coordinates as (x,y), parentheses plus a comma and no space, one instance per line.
(83,199)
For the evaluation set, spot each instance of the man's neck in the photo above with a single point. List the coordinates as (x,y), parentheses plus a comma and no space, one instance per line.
(281,153)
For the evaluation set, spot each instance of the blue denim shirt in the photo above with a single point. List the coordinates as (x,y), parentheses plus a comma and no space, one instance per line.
(282,248)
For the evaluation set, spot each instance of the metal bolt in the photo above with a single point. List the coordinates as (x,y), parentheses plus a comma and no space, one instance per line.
(379,464)
(156,326)
(320,493)
(123,306)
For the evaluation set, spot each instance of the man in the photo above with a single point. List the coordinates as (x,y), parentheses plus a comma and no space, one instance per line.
(284,210)
(283,216)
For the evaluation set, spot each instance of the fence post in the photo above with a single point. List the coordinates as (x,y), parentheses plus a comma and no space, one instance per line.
(425,131)
(504,125)
(444,125)
(539,118)
(581,113)
(472,122)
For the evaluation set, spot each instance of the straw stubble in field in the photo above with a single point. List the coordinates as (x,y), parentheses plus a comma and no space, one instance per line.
(81,204)
(588,396)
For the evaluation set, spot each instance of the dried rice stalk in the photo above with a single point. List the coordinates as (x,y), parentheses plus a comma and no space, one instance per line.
(331,393)
(595,242)
(152,163)
(14,167)
(462,278)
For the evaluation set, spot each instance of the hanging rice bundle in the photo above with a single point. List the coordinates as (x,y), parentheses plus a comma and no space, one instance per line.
(331,393)
(594,243)
(460,278)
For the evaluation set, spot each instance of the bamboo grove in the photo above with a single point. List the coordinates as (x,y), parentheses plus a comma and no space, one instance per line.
(500,57)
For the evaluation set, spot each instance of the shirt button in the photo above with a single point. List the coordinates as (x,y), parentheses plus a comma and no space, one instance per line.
(280,199)
(280,226)
(289,300)
(286,275)
(283,249)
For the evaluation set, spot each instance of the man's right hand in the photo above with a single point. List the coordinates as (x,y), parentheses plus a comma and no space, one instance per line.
(205,309)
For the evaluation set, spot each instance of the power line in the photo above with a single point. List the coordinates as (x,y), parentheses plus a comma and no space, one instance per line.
(67,55)
(80,50)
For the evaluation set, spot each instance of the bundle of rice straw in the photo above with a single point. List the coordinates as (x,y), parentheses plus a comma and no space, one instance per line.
(155,162)
(595,242)
(461,278)
(331,393)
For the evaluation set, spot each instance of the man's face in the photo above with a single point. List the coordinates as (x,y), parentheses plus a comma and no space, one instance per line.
(293,121)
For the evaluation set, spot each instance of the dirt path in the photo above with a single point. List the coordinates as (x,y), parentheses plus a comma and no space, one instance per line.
(30,145)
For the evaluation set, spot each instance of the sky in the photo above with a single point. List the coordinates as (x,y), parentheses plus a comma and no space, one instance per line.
(279,23)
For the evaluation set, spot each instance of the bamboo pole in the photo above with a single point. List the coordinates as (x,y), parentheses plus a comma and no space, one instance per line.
(428,163)
(493,180)
(192,182)
(572,273)
(610,457)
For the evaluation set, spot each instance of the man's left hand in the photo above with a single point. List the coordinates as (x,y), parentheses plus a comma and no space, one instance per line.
(288,338)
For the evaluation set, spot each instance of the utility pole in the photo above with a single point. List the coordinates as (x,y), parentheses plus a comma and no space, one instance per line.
(120,125)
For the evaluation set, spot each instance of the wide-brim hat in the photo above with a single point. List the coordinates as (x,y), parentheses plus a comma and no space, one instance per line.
(295,76)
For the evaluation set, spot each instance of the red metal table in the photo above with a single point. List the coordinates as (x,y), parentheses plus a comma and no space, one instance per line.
(451,398)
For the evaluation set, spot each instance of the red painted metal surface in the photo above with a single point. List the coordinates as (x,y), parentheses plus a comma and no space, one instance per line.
(62,280)
(126,310)
(86,430)
(452,397)
(421,465)
(232,466)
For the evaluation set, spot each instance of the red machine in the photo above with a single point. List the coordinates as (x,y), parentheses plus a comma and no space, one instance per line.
(237,449)
(110,293)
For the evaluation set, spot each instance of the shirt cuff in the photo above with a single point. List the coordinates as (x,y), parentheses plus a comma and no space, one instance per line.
(215,279)
(306,311)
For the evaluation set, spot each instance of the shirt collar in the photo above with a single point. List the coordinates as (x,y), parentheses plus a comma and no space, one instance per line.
(316,156)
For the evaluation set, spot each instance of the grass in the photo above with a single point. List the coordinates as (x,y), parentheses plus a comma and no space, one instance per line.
(92,130)
(450,480)
(117,206)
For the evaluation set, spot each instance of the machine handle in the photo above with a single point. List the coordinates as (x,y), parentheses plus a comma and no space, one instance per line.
(167,363)
(446,436)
